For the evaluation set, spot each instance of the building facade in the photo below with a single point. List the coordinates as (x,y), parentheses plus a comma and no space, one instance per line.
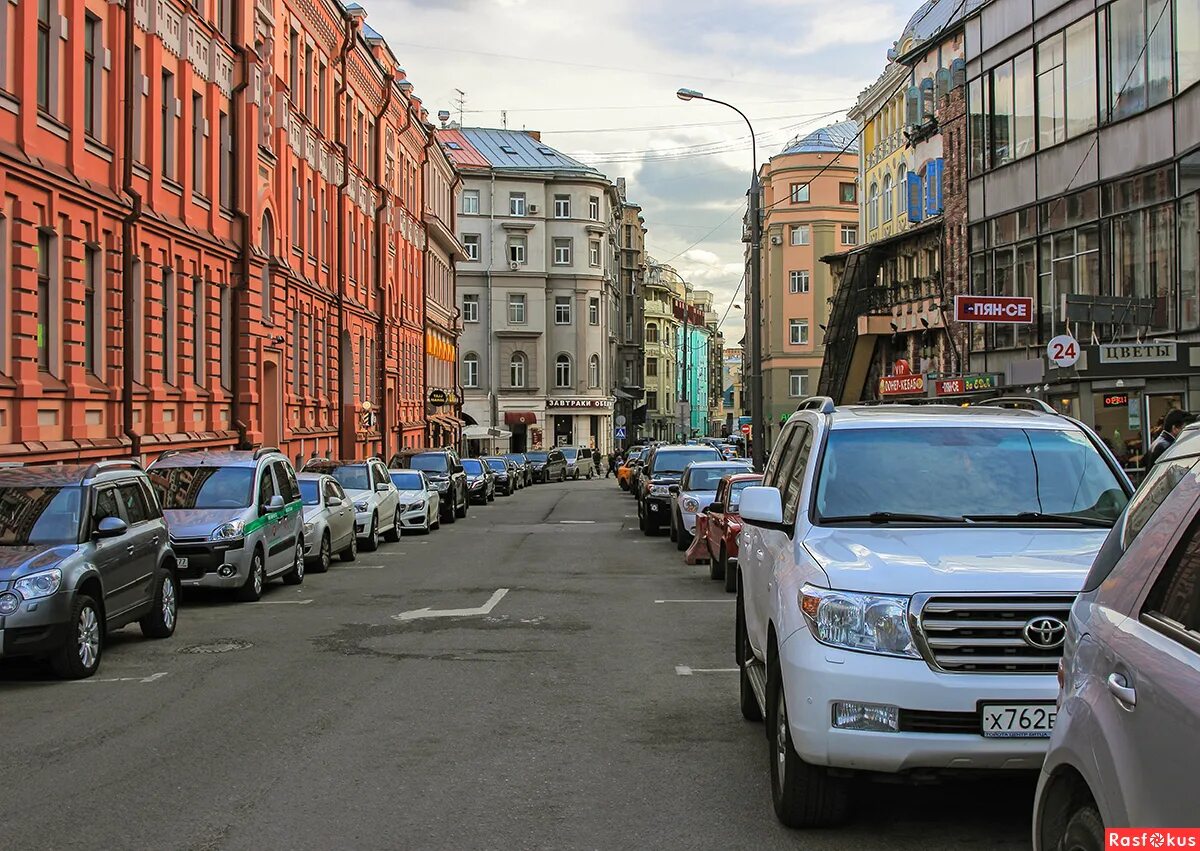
(663,290)
(692,352)
(442,394)
(628,367)
(535,292)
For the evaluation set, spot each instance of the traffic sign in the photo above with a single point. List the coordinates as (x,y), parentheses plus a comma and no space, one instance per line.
(746,428)
(621,419)
(1063,350)
(619,434)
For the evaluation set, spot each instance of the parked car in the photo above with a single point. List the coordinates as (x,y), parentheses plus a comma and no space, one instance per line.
(635,475)
(328,521)
(84,550)
(1125,747)
(524,465)
(506,474)
(443,468)
(420,502)
(548,466)
(236,518)
(481,481)
(904,575)
(664,468)
(376,501)
(724,524)
(626,468)
(580,462)
(694,493)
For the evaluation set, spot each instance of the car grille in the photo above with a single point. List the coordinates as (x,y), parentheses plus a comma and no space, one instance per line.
(985,634)
(189,539)
(923,721)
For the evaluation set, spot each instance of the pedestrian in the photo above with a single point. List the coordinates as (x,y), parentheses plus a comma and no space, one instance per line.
(1173,423)
(614,458)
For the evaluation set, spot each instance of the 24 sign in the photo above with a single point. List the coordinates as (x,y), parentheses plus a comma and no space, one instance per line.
(1063,350)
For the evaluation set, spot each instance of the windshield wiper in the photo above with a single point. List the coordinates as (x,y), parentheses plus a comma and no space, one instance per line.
(882,517)
(1040,517)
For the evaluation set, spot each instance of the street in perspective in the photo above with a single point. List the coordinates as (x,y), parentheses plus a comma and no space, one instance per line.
(419,429)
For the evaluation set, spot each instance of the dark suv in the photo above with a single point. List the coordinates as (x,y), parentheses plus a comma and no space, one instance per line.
(664,468)
(444,470)
(84,550)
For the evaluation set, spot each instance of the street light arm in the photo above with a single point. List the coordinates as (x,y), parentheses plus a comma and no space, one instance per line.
(753,140)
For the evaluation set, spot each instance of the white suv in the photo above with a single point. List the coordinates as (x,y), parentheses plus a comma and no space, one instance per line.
(904,581)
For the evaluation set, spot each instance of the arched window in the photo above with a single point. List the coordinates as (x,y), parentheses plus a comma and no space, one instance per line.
(873,210)
(958,73)
(594,371)
(902,191)
(267,244)
(887,197)
(516,370)
(562,371)
(926,100)
(942,83)
(651,332)
(470,370)
(912,106)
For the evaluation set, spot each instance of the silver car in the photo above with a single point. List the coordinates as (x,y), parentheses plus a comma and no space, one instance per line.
(328,521)
(694,493)
(420,502)
(376,505)
(1125,747)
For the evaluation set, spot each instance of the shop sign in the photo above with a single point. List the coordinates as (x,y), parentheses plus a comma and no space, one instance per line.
(993,308)
(579,403)
(1116,400)
(901,385)
(1137,352)
(964,384)
(438,397)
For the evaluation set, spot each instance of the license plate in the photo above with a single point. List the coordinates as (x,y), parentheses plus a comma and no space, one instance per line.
(181,563)
(1018,720)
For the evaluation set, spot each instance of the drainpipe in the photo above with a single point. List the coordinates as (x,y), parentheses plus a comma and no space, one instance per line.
(345,424)
(493,367)
(425,285)
(128,249)
(455,310)
(381,256)
(238,288)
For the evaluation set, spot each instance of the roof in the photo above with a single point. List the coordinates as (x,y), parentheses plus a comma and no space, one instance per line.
(874,416)
(221,458)
(507,149)
(929,20)
(724,462)
(826,140)
(460,151)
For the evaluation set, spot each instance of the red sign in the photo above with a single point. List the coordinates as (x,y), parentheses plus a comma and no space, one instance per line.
(746,428)
(993,308)
(902,367)
(949,387)
(901,385)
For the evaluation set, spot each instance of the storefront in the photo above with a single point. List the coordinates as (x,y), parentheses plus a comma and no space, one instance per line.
(581,422)
(526,435)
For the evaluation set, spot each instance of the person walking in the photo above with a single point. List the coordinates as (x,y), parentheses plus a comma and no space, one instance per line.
(1173,424)
(613,458)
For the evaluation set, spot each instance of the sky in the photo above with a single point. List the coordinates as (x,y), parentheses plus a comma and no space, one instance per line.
(599,80)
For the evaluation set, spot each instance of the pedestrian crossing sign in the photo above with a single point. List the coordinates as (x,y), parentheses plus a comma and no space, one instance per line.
(620,433)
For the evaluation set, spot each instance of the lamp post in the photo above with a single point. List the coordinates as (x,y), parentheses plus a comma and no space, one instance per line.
(757,420)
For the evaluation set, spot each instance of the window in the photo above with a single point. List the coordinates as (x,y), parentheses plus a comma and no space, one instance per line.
(652,367)
(594,208)
(228,337)
(798,332)
(887,201)
(801,235)
(1187,44)
(516,203)
(1139,70)
(594,252)
(93,90)
(225,131)
(850,234)
(594,371)
(199,349)
(848,193)
(47,77)
(562,251)
(1173,605)
(516,249)
(1051,88)
(138,143)
(799,193)
(167,114)
(873,207)
(471,245)
(134,499)
(562,371)
(562,206)
(516,369)
(562,310)
(797,383)
(45,316)
(593,311)
(470,370)
(170,316)
(322,97)
(308,77)
(516,308)
(651,333)
(93,314)
(6,274)
(198,147)
(470,201)
(470,311)
(652,400)
(798,282)
(902,191)
(294,63)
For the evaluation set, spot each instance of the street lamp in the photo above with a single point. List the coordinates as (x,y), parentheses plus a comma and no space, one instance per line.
(757,420)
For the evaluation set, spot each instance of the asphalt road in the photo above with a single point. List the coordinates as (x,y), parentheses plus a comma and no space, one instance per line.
(316,720)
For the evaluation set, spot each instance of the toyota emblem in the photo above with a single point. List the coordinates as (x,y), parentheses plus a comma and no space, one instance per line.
(1044,633)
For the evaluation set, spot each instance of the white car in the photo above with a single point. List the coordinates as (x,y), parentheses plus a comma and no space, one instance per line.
(328,521)
(904,579)
(376,500)
(696,491)
(420,503)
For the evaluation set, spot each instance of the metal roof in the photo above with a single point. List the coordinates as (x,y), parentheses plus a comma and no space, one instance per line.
(929,20)
(516,149)
(826,140)
(214,458)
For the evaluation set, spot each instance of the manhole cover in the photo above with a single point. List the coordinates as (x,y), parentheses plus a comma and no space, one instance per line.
(225,646)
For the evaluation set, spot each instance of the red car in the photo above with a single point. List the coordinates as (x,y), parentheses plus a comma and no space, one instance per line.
(724,523)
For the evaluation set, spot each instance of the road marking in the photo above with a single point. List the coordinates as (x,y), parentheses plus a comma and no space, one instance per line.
(148,679)
(282,603)
(730,600)
(685,671)
(576,522)
(426,612)
(360,567)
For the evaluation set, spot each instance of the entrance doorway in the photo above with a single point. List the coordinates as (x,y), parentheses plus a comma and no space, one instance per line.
(272,403)
(564,430)
(520,438)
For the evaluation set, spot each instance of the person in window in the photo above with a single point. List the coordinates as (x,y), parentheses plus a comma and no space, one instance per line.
(1173,423)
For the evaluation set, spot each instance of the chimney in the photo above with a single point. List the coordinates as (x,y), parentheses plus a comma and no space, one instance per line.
(536,135)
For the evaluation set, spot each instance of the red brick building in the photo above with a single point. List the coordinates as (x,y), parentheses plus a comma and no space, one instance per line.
(236,258)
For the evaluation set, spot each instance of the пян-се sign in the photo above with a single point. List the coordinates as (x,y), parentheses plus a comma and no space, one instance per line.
(993,308)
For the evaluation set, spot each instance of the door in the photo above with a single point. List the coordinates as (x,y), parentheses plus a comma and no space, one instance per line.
(564,430)
(290,523)
(269,521)
(272,403)
(752,554)
(389,500)
(779,554)
(341,517)
(716,519)
(144,537)
(114,557)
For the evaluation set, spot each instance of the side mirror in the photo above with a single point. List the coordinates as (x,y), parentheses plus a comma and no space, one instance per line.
(763,506)
(333,501)
(716,508)
(382,487)
(673,489)
(276,503)
(111,527)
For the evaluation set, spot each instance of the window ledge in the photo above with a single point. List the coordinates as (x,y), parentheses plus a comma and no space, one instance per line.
(141,171)
(200,201)
(96,147)
(172,187)
(50,123)
(9,102)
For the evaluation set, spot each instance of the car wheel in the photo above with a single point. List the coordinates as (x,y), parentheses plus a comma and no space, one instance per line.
(1085,831)
(296,575)
(491,497)
(716,566)
(371,543)
(803,795)
(651,527)
(350,553)
(79,656)
(393,534)
(742,653)
(324,555)
(683,538)
(451,515)
(730,573)
(256,579)
(160,621)
(590,474)
(436,523)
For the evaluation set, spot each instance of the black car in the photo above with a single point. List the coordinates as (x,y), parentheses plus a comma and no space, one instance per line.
(524,465)
(444,470)
(506,474)
(662,472)
(548,466)
(481,481)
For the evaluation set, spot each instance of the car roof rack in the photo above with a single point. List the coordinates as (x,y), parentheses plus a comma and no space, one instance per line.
(167,453)
(822,404)
(1027,403)
(264,450)
(105,466)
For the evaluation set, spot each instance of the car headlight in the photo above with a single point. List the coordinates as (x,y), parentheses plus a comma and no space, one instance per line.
(39,584)
(870,623)
(690,505)
(441,486)
(660,490)
(308,527)
(362,505)
(228,531)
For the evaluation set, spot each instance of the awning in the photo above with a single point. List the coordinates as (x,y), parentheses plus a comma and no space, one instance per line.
(478,432)
(520,418)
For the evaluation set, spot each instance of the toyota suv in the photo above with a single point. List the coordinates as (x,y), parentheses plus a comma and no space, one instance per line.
(83,551)
(904,578)
(376,500)
(661,474)
(236,518)
(444,470)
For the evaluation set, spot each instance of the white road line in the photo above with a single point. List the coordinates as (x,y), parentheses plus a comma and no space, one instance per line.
(685,671)
(576,522)
(427,612)
(342,567)
(730,600)
(148,679)
(282,603)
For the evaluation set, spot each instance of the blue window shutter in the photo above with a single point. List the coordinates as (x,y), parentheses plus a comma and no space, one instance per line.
(941,175)
(915,202)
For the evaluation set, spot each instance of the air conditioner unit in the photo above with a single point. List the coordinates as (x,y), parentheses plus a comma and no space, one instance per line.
(514,265)
(777,240)
(533,208)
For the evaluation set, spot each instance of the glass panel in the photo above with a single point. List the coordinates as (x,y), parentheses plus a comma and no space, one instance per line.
(1081,77)
(1187,43)
(1050,95)
(978,125)
(1189,263)
(1003,122)
(1158,53)
(1003,284)
(1025,281)
(1127,36)
(1023,105)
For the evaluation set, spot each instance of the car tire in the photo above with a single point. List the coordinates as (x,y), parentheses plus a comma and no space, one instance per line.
(72,661)
(256,580)
(296,575)
(462,512)
(437,521)
(716,566)
(1085,830)
(160,621)
(324,555)
(742,653)
(651,528)
(371,542)
(451,515)
(491,497)
(393,534)
(730,574)
(350,553)
(803,795)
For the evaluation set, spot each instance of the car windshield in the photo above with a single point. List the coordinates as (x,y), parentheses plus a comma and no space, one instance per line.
(184,488)
(570,454)
(352,478)
(517,457)
(310,492)
(407,481)
(497,464)
(539,457)
(707,478)
(981,473)
(39,515)
(473,466)
(736,488)
(433,462)
(676,460)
